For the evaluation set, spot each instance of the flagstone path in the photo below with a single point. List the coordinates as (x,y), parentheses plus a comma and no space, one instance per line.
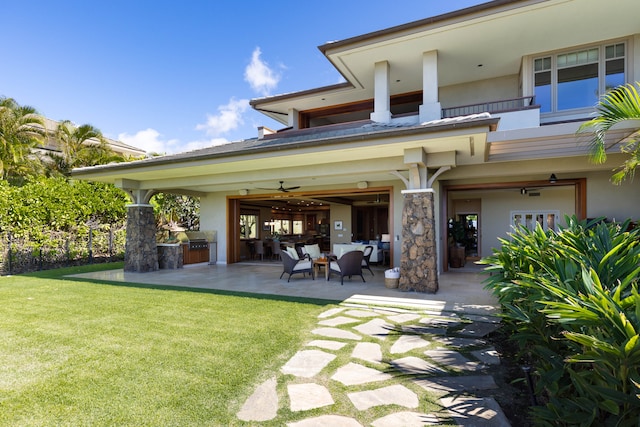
(385,367)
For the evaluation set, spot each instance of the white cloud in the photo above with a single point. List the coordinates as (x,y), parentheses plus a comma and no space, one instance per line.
(260,77)
(150,140)
(229,117)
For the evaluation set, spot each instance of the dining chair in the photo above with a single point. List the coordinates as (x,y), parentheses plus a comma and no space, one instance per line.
(276,250)
(259,249)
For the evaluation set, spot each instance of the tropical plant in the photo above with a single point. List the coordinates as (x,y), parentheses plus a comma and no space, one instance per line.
(21,130)
(80,146)
(622,104)
(571,299)
(178,209)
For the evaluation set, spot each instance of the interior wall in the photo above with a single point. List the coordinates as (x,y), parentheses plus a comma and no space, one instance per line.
(340,213)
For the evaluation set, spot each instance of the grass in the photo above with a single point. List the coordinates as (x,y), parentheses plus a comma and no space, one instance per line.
(76,352)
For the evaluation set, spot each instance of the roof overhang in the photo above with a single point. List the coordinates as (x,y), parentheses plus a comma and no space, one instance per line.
(314,162)
(473,44)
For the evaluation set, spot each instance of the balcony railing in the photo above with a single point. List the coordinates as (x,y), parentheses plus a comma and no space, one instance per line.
(503,106)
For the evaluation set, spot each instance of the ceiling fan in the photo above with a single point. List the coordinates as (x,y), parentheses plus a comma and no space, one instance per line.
(281,188)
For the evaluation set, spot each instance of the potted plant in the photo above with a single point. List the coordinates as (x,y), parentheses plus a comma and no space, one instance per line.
(457,235)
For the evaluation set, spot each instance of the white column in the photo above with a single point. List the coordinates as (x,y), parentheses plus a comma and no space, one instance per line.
(382,93)
(293,118)
(430,108)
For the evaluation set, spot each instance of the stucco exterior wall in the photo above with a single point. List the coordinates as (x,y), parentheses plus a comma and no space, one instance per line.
(612,201)
(498,205)
(213,216)
(506,87)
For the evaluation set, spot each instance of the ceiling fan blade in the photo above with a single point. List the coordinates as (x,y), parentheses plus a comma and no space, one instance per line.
(281,188)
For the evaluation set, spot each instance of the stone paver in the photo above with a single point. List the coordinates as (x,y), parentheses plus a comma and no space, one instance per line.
(308,396)
(488,356)
(476,412)
(337,321)
(423,330)
(356,332)
(460,342)
(457,384)
(377,328)
(371,352)
(404,317)
(307,363)
(262,405)
(391,395)
(353,374)
(327,344)
(406,419)
(336,333)
(447,322)
(327,421)
(482,318)
(361,313)
(416,366)
(331,312)
(453,359)
(407,343)
(478,329)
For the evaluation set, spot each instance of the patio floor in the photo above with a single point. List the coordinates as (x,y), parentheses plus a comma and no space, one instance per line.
(460,290)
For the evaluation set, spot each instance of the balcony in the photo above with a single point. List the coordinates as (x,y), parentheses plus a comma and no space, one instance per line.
(492,107)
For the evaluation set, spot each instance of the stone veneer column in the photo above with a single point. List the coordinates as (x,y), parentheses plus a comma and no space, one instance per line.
(418,265)
(140,253)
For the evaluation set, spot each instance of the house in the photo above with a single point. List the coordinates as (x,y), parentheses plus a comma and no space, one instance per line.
(466,119)
(50,144)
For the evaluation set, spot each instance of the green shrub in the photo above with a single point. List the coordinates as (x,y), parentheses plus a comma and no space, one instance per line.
(572,302)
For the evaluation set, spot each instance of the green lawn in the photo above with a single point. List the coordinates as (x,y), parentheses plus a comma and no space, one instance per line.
(84,353)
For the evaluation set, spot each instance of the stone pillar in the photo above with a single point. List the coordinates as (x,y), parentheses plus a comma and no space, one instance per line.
(140,253)
(418,261)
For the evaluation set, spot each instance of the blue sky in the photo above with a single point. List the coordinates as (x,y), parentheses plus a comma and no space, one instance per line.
(171,76)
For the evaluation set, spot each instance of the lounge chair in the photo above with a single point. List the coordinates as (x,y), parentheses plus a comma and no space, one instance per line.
(293,266)
(368,250)
(349,264)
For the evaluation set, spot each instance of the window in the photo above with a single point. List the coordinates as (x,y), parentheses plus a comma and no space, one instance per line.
(548,220)
(575,80)
(248,226)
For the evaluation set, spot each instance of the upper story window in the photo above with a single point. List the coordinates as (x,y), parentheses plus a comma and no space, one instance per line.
(575,80)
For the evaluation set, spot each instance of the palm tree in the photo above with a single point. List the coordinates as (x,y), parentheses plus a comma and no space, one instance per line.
(622,104)
(80,146)
(21,130)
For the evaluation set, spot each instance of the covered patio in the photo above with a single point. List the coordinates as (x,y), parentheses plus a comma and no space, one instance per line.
(460,291)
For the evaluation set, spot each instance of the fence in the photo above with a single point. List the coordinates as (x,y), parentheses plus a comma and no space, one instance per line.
(56,249)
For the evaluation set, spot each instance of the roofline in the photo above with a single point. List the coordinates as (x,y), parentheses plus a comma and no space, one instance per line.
(254,103)
(323,89)
(159,161)
(471,10)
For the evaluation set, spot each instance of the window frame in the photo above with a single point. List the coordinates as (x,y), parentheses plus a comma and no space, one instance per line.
(554,114)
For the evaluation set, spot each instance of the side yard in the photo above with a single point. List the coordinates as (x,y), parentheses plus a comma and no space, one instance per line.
(81,353)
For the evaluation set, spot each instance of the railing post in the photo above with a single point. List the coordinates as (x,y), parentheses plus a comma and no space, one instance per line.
(90,245)
(110,242)
(10,261)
